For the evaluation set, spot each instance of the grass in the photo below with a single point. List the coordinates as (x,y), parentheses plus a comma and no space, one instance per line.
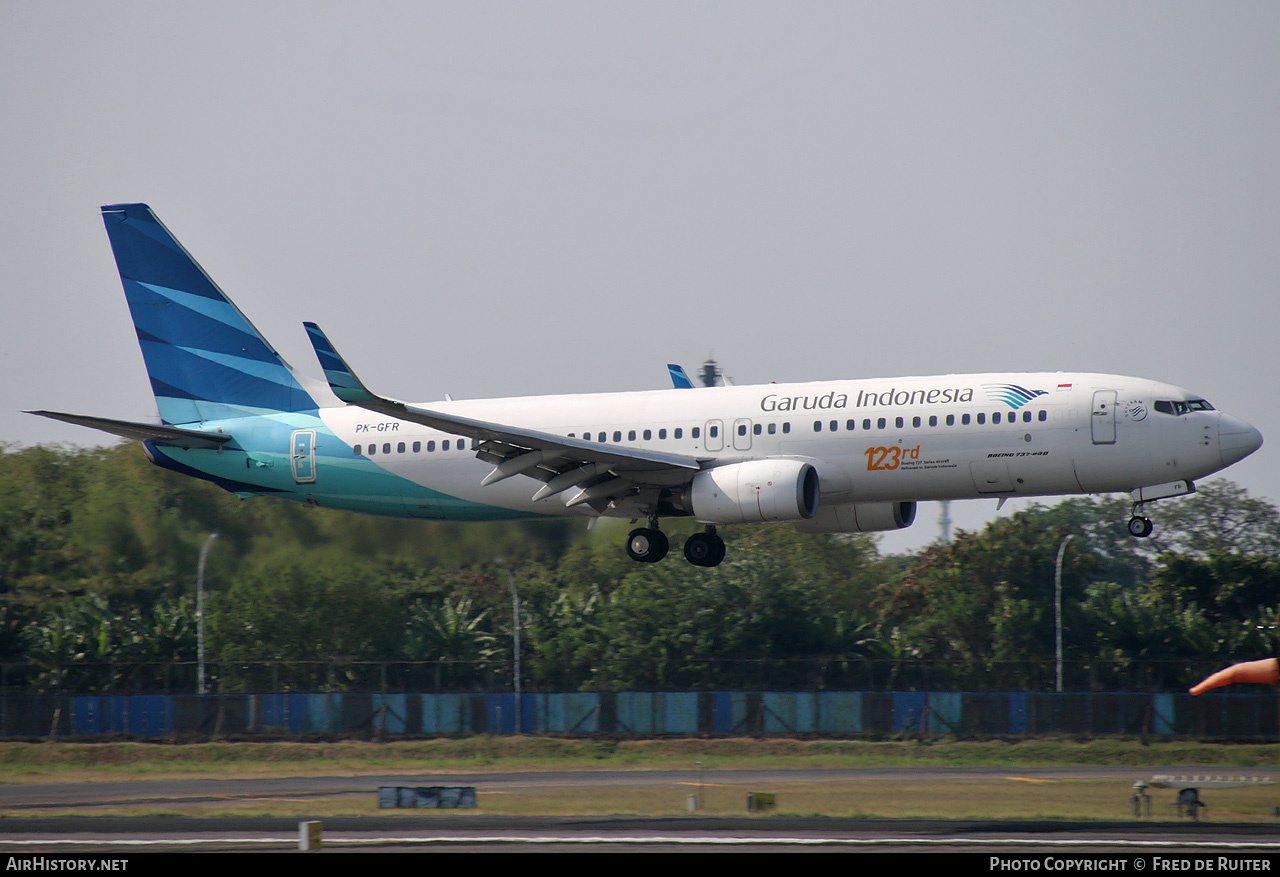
(45,761)
(1007,796)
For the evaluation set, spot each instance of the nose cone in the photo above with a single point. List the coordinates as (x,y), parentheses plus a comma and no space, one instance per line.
(1236,439)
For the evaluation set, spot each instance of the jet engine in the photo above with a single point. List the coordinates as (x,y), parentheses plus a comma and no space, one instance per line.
(754,492)
(860,517)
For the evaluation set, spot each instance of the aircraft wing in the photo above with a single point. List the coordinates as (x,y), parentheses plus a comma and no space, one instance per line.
(600,471)
(161,435)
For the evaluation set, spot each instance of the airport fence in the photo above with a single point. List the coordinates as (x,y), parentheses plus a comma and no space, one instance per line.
(1253,716)
(658,674)
(832,696)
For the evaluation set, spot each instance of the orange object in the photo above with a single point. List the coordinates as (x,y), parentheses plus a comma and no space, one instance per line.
(1267,670)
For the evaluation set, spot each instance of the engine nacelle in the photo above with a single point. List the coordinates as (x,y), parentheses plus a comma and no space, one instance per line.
(755,492)
(860,517)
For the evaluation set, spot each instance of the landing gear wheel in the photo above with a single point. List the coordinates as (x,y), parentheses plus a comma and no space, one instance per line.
(1140,528)
(647,544)
(704,549)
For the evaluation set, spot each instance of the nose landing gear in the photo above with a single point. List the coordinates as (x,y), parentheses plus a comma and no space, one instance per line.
(1140,527)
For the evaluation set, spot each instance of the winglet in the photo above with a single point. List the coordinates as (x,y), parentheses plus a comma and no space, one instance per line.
(678,377)
(342,380)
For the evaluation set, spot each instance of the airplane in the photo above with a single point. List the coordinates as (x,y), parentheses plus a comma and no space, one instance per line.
(845,456)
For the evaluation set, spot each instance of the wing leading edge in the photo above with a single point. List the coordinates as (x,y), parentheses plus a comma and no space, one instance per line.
(600,472)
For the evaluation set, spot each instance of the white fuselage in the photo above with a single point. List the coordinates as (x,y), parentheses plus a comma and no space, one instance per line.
(899,439)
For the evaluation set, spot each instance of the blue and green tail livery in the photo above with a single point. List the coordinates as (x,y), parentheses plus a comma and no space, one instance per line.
(205,359)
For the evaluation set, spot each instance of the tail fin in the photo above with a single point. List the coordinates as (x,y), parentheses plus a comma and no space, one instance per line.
(205,359)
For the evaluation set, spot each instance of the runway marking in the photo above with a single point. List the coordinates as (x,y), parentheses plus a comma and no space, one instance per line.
(1030,780)
(687,841)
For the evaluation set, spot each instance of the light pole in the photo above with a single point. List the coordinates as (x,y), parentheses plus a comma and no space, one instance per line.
(515,630)
(1057,607)
(204,555)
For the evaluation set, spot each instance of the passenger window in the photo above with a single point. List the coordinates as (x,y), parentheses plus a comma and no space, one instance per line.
(995,418)
(1044,415)
(897,422)
(773,428)
(849,424)
(417,447)
(679,433)
(444,445)
(982,418)
(933,420)
(756,429)
(662,434)
(400,448)
(951,420)
(915,422)
(964,419)
(617,436)
(386,448)
(786,427)
(373,449)
(631,435)
(711,431)
(696,431)
(866,424)
(602,437)
(817,426)
(356,450)
(880,424)
(648,434)
(742,429)
(1026,417)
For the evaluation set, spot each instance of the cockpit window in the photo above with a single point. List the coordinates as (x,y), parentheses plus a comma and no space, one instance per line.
(1177,407)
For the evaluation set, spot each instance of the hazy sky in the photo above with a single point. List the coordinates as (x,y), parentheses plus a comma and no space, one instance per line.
(512,198)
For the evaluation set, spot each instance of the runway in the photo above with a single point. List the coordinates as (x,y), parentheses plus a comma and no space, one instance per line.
(25,830)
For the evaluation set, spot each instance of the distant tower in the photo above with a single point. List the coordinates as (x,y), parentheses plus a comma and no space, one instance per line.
(944,522)
(710,375)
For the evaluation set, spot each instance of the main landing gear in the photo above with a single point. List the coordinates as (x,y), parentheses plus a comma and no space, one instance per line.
(1140,527)
(649,545)
(704,549)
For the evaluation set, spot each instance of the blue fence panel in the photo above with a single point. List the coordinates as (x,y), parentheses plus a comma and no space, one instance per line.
(680,712)
(390,712)
(288,711)
(944,711)
(790,712)
(722,712)
(1162,715)
(150,715)
(839,712)
(908,710)
(86,716)
(446,713)
(115,714)
(569,713)
(635,712)
(500,713)
(324,713)
(1018,712)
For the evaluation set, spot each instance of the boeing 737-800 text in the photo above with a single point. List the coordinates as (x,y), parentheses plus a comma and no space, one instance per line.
(830,457)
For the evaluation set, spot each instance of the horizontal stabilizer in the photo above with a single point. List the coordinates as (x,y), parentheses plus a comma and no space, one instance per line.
(161,435)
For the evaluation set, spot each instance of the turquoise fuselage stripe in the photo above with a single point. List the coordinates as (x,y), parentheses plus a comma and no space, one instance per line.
(343,480)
